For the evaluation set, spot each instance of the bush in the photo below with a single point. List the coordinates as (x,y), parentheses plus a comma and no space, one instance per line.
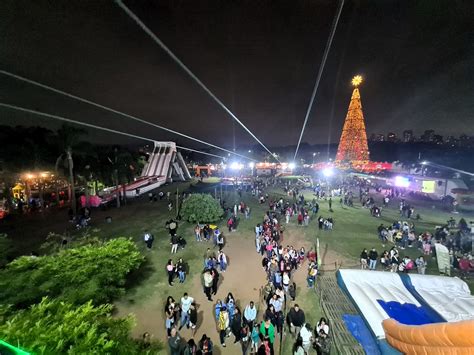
(76,275)
(55,327)
(201,208)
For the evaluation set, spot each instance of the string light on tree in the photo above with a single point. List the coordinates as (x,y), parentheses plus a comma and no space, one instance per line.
(353,148)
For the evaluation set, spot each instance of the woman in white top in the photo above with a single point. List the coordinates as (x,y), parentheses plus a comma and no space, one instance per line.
(322,324)
(298,347)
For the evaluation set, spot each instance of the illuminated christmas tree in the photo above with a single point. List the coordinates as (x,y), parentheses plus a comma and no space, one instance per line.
(353,147)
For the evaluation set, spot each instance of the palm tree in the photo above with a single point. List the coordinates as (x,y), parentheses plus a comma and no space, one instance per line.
(68,138)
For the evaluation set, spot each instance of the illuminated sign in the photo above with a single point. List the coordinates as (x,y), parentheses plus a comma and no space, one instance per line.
(428,186)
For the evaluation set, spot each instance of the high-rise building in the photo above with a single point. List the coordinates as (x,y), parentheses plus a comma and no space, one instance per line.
(438,139)
(380,137)
(391,137)
(407,136)
(353,146)
(428,136)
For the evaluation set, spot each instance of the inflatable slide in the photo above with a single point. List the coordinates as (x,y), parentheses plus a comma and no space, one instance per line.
(411,314)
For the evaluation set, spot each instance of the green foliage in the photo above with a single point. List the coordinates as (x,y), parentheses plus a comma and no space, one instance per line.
(55,327)
(55,241)
(201,208)
(75,275)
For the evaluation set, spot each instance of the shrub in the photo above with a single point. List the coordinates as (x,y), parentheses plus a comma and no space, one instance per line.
(75,275)
(201,208)
(55,327)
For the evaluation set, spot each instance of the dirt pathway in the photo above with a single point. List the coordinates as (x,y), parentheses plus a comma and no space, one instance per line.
(244,278)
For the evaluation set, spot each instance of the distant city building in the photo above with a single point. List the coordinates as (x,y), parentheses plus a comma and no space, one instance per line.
(428,136)
(408,136)
(377,137)
(438,139)
(452,141)
(391,137)
(466,141)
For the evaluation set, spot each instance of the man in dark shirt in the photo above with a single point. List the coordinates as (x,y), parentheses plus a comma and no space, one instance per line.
(296,319)
(373,255)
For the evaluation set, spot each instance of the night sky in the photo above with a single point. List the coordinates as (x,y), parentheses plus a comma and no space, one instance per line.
(260,57)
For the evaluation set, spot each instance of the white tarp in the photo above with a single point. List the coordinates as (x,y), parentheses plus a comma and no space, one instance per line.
(449,296)
(366,287)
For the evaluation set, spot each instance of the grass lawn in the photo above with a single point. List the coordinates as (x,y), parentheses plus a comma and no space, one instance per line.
(354,229)
(147,289)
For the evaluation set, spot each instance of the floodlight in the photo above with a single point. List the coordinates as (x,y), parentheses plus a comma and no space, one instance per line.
(291,166)
(328,172)
(251,165)
(234,166)
(401,181)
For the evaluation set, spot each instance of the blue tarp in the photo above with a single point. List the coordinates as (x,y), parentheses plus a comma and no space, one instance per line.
(435,316)
(408,313)
(356,325)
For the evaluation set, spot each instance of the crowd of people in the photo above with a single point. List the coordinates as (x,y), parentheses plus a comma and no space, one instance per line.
(279,263)
(256,329)
(403,235)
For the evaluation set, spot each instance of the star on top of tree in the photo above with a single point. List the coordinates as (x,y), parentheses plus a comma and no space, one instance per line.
(356,80)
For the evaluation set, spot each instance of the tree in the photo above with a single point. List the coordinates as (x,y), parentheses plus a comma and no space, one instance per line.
(77,275)
(69,137)
(201,208)
(56,327)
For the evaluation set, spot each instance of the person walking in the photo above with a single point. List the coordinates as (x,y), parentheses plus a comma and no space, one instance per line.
(148,238)
(363,259)
(193,317)
(296,319)
(181,270)
(322,324)
(322,343)
(190,348)
(222,325)
(420,265)
(245,339)
(220,241)
(306,334)
(175,342)
(298,347)
(186,302)
(205,345)
(208,284)
(222,259)
(215,280)
(170,317)
(197,233)
(170,268)
(236,324)
(250,314)
(174,244)
(267,332)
